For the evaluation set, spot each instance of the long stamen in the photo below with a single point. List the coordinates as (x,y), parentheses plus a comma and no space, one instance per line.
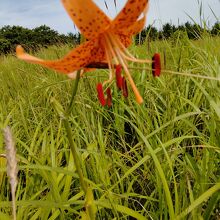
(110,53)
(118,76)
(101,95)
(109,47)
(139,98)
(109,97)
(134,59)
(156,65)
(110,66)
(124,87)
(129,56)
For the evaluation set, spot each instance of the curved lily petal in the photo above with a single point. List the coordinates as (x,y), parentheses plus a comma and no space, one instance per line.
(130,14)
(87,16)
(134,28)
(74,60)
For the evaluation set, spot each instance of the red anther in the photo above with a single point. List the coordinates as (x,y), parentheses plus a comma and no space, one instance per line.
(156,65)
(118,76)
(124,87)
(101,95)
(109,97)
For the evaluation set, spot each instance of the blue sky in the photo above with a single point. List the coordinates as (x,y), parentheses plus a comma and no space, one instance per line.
(33,13)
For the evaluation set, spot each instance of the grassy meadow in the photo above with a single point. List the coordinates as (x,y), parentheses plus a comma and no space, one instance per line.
(158,160)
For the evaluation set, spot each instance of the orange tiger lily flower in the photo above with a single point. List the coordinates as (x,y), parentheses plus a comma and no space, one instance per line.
(107,39)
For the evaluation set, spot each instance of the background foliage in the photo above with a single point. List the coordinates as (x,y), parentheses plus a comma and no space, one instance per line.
(133,156)
(32,39)
(43,36)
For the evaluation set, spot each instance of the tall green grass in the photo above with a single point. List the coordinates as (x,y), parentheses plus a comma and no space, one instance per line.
(159,160)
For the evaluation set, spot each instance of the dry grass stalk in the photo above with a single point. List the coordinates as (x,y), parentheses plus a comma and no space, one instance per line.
(11,164)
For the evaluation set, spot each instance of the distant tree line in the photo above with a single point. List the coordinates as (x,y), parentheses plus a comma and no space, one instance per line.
(44,36)
(192,31)
(32,39)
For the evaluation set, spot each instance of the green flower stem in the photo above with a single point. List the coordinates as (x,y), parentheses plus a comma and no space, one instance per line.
(69,135)
(90,207)
(75,155)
